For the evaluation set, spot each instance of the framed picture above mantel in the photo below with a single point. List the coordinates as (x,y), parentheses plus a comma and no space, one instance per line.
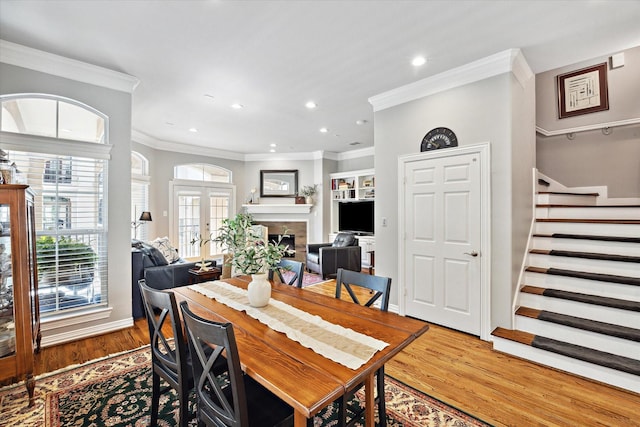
(583,91)
(278,183)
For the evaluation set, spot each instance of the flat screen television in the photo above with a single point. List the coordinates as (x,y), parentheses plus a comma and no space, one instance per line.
(356,217)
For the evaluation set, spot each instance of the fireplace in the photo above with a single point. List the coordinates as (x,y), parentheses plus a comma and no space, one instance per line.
(296,229)
(288,240)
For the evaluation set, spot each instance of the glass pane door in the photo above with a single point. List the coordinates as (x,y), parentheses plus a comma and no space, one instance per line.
(7,318)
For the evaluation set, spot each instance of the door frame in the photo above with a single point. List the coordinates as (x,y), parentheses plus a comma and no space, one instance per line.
(483,152)
(177,184)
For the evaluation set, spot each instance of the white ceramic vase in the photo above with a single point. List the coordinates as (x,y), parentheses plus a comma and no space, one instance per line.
(309,200)
(259,290)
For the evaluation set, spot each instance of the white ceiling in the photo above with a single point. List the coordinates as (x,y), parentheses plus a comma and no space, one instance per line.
(274,56)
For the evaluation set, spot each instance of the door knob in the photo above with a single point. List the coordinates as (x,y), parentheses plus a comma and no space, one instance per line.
(472,253)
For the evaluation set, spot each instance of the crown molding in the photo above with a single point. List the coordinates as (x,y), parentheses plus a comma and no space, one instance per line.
(49,63)
(356,154)
(510,60)
(158,144)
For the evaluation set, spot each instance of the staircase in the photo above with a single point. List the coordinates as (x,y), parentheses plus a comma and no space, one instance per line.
(578,309)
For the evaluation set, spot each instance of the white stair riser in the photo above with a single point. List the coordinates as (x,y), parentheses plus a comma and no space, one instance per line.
(616,230)
(564,199)
(614,316)
(593,340)
(619,268)
(588,370)
(583,286)
(583,245)
(588,212)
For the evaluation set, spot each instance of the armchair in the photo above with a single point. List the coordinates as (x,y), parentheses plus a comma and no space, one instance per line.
(326,258)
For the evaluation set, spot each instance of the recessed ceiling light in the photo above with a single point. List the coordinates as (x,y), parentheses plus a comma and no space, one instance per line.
(324,130)
(193,130)
(237,106)
(418,61)
(311,105)
(273,145)
(361,122)
(272,150)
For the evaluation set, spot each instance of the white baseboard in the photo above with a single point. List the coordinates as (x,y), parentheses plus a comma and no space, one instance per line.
(77,334)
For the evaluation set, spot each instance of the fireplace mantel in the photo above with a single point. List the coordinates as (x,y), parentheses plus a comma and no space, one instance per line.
(278,208)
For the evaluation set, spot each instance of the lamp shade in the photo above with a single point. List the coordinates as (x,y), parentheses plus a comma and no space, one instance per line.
(145,216)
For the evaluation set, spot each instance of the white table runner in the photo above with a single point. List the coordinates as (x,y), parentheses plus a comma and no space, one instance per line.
(342,345)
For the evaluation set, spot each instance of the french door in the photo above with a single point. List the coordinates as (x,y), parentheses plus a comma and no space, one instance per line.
(197,213)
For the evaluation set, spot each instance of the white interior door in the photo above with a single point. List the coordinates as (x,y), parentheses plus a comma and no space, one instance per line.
(442,247)
(199,211)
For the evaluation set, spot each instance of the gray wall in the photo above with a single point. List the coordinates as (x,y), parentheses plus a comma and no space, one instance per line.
(592,158)
(117,106)
(480,112)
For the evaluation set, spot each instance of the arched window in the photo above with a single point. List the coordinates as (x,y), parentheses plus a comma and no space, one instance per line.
(60,146)
(202,172)
(139,194)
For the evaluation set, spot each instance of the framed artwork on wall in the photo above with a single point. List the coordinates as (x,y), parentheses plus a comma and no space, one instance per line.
(583,91)
(278,183)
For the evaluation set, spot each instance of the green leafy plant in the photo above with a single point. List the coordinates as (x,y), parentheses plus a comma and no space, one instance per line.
(309,190)
(250,253)
(71,259)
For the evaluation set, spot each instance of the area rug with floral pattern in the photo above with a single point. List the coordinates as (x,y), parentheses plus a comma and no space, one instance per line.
(116,391)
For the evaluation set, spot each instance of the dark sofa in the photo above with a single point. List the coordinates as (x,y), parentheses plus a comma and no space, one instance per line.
(148,263)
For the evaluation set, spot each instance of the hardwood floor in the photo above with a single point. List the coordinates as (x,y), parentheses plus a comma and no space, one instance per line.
(454,367)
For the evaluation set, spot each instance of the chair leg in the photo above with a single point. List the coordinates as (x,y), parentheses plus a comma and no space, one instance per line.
(155,398)
(382,407)
(183,410)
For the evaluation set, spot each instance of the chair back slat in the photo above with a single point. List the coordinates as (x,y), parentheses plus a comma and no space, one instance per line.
(219,403)
(379,285)
(297,267)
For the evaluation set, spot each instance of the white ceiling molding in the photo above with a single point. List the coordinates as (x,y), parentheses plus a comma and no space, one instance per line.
(158,144)
(596,126)
(510,60)
(356,154)
(33,59)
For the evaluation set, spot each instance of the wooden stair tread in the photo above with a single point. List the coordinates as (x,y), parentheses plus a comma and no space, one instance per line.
(567,193)
(601,358)
(590,220)
(513,335)
(584,206)
(621,304)
(609,360)
(603,328)
(590,237)
(625,280)
(586,255)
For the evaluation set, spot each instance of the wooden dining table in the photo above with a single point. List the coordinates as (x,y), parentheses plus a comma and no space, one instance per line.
(302,378)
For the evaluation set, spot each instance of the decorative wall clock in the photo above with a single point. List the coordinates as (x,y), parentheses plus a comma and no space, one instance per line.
(439,138)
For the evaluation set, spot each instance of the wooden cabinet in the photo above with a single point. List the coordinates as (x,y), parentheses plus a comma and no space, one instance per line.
(19,310)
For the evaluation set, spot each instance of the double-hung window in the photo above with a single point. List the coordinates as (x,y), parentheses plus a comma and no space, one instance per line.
(59,148)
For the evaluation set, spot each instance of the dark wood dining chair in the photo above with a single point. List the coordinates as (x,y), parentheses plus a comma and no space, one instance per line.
(169,358)
(378,289)
(296,267)
(237,400)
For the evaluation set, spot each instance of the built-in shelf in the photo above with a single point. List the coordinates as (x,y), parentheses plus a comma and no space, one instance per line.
(267,208)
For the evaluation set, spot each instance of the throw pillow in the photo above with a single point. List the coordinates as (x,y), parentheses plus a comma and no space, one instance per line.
(153,254)
(344,239)
(164,246)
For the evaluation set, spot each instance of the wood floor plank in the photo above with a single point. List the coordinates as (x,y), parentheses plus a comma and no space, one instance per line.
(452,366)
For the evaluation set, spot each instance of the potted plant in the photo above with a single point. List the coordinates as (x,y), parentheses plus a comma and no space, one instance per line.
(308,191)
(250,254)
(201,241)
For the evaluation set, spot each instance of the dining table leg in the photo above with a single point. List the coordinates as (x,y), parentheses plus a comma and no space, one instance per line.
(369,400)
(299,419)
